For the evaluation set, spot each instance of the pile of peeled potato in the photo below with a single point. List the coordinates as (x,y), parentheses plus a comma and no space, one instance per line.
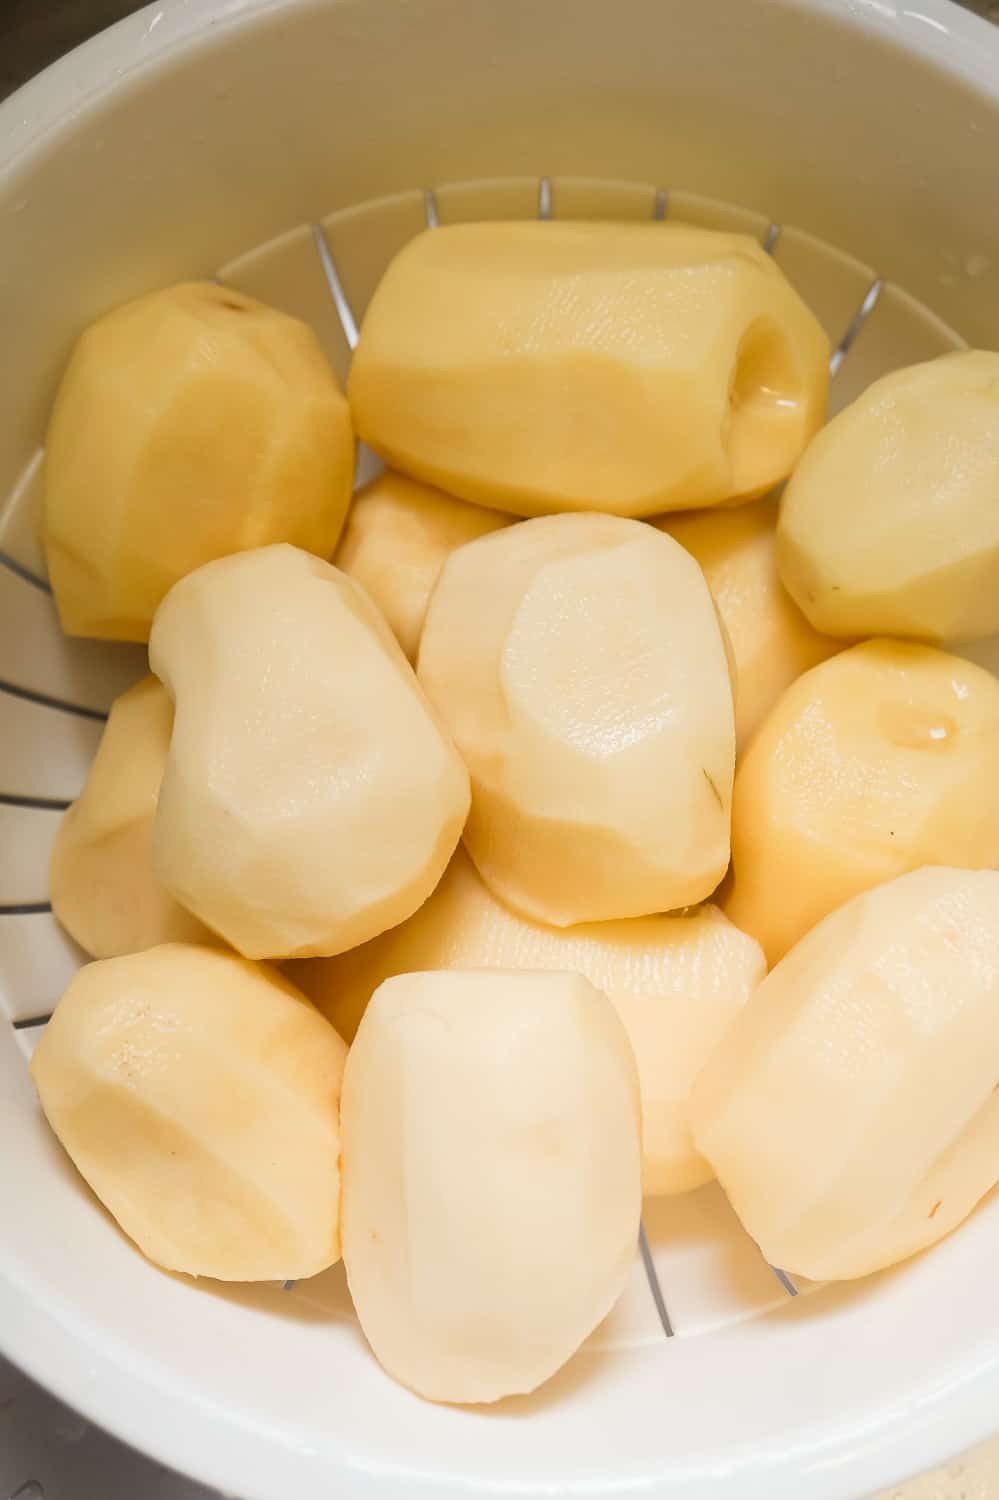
(475,786)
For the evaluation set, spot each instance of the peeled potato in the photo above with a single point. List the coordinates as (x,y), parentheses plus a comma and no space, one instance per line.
(190,423)
(772,642)
(618,367)
(890,524)
(397,537)
(491,1191)
(101,879)
(675,981)
(310,799)
(579,665)
(851,1111)
(198,1094)
(875,762)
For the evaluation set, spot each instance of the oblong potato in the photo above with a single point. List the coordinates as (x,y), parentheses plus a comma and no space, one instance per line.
(310,799)
(198,1094)
(851,1111)
(615,367)
(579,664)
(675,981)
(491,1194)
(890,525)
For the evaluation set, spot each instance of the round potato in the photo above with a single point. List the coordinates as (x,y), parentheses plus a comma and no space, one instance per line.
(491,1194)
(198,1094)
(579,665)
(851,1110)
(310,799)
(873,763)
(189,424)
(890,525)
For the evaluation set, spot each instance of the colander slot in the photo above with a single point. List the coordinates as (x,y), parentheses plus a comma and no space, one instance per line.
(430,208)
(771,237)
(38,958)
(660,208)
(545,198)
(24,908)
(27,836)
(44,753)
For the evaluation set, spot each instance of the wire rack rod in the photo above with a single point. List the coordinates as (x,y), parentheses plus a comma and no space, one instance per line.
(343,309)
(20,571)
(860,317)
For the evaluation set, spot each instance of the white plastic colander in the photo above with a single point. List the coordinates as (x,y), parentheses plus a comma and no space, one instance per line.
(291,148)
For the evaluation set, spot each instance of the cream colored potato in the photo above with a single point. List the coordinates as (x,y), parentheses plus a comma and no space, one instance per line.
(397,537)
(675,981)
(772,642)
(310,799)
(851,1111)
(618,367)
(491,1193)
(198,1094)
(875,762)
(101,880)
(890,525)
(579,665)
(190,423)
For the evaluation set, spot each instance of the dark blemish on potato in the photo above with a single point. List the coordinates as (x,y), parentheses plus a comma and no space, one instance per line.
(933,1211)
(710,781)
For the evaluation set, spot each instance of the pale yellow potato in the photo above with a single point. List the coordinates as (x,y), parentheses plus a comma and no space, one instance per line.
(198,1094)
(772,642)
(875,762)
(618,367)
(101,880)
(851,1111)
(491,1192)
(579,665)
(190,423)
(310,799)
(890,525)
(675,981)
(397,537)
